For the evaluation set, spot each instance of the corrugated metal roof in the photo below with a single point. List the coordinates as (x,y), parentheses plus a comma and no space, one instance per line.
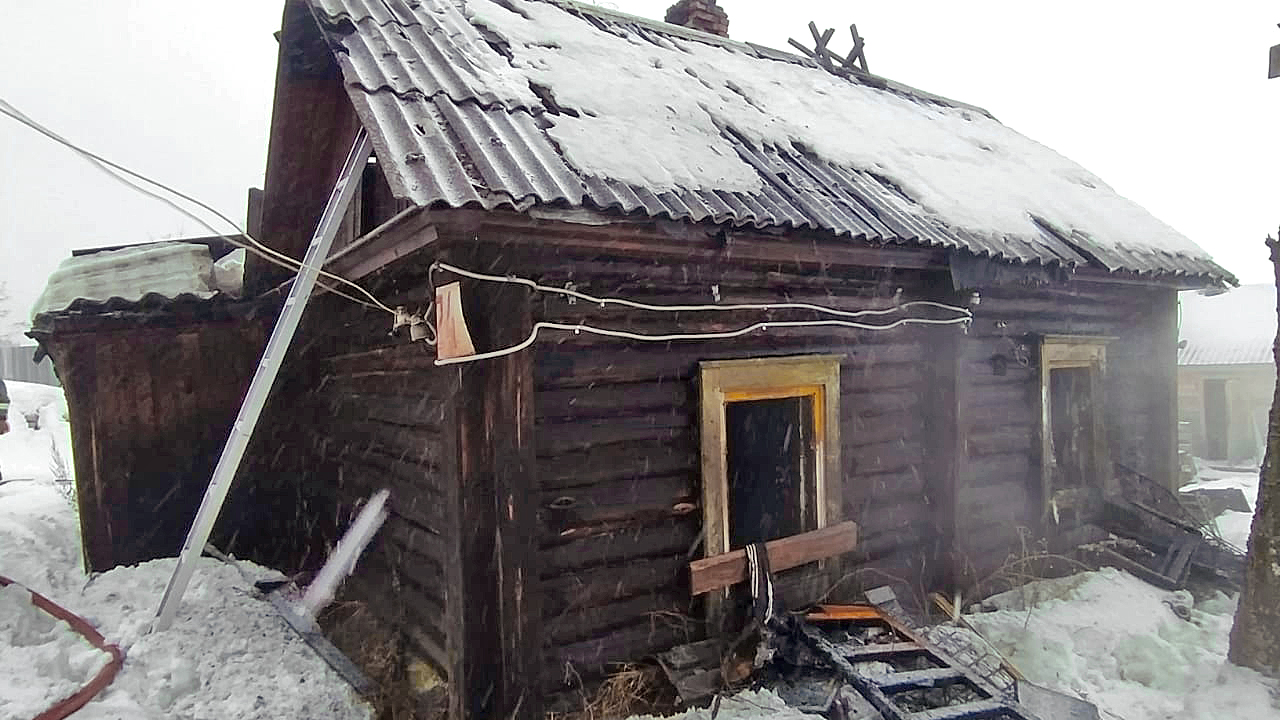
(455,126)
(1237,327)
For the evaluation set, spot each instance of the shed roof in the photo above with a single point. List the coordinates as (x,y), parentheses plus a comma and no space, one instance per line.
(1237,327)
(144,275)
(525,102)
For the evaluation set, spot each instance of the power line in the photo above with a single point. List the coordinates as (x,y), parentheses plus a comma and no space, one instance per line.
(112,169)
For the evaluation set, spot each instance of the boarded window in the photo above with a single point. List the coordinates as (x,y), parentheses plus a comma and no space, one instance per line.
(770,448)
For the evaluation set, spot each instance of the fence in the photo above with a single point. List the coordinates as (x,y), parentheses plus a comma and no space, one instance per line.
(17,363)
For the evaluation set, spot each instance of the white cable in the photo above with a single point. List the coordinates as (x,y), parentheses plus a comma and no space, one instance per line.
(602,301)
(728,334)
(113,170)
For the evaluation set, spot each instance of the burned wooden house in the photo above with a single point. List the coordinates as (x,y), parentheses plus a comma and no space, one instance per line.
(687,294)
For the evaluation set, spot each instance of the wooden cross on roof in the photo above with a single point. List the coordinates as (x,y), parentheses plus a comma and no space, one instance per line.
(855,61)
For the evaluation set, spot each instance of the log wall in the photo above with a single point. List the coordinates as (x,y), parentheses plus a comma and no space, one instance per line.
(617,447)
(357,410)
(999,474)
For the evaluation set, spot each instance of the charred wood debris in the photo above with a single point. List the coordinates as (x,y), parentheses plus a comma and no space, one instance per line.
(881,661)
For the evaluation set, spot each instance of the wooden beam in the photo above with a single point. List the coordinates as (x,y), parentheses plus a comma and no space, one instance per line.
(503,664)
(403,234)
(720,571)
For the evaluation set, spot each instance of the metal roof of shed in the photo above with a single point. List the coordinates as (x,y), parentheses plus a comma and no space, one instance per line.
(1237,327)
(452,129)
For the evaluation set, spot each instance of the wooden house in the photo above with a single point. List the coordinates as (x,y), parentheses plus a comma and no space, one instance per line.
(1226,372)
(765,295)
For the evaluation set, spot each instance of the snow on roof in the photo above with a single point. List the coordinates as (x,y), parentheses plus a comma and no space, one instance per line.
(168,269)
(495,103)
(1237,327)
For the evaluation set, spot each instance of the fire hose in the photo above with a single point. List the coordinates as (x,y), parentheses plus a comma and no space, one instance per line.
(77,700)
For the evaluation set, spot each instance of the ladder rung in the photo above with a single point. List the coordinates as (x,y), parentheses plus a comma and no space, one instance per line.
(913,679)
(864,653)
(967,711)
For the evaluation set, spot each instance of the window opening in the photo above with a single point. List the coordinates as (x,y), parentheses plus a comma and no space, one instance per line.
(770,456)
(770,448)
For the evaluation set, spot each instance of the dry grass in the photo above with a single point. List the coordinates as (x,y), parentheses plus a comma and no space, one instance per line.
(381,653)
(632,689)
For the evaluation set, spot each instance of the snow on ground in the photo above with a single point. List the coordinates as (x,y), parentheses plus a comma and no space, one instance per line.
(1233,525)
(32,640)
(1113,640)
(228,654)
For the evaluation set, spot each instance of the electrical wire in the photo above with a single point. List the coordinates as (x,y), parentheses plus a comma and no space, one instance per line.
(603,301)
(114,171)
(675,337)
(965,316)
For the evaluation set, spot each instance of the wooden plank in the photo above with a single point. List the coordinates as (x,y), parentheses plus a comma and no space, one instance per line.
(729,568)
(601,586)
(402,235)
(668,537)
(500,546)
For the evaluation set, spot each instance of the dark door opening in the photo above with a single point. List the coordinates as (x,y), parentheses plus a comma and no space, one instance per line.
(1071,424)
(1216,419)
(770,468)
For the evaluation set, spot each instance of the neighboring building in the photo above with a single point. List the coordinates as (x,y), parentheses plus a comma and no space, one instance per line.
(1014,330)
(1227,372)
(18,362)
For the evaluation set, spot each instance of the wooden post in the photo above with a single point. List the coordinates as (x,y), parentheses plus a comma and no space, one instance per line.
(946,454)
(502,605)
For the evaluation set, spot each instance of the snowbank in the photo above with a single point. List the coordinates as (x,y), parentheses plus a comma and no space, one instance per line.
(228,654)
(1115,641)
(36,644)
(1233,525)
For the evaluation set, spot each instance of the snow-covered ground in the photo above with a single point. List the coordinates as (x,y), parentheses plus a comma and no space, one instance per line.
(1233,525)
(228,654)
(1115,641)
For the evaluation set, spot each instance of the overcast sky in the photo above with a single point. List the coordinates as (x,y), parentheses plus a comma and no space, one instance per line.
(1170,106)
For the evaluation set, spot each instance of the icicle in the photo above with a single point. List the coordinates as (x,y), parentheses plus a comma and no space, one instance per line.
(342,561)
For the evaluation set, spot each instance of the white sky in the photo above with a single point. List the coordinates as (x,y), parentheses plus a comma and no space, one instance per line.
(1171,106)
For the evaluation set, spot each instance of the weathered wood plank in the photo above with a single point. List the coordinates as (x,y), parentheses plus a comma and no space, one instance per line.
(612,583)
(729,568)
(618,461)
(673,536)
(577,624)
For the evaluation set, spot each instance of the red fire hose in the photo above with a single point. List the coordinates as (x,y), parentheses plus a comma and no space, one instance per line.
(104,677)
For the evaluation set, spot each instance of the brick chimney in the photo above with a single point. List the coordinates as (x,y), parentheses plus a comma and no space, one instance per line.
(704,15)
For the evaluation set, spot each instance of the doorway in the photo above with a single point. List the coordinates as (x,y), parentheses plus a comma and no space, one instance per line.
(1217,419)
(1071,427)
(770,461)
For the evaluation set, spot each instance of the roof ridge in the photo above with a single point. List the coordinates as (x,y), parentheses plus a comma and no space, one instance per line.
(763,52)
